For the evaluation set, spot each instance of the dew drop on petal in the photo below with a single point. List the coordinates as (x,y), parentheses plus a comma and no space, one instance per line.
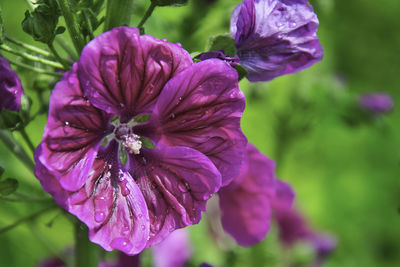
(182,188)
(99,216)
(121,244)
(143,227)
(172,116)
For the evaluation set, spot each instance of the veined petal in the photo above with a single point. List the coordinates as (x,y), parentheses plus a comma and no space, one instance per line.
(123,73)
(73,133)
(275,37)
(109,203)
(176,182)
(246,210)
(201,108)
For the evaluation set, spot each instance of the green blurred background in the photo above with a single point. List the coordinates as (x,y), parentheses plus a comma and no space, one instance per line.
(345,170)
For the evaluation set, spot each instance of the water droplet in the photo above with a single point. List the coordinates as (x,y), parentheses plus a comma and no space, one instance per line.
(164,40)
(125,228)
(172,116)
(278,24)
(66,123)
(121,105)
(121,244)
(292,24)
(99,216)
(124,189)
(179,44)
(140,215)
(143,227)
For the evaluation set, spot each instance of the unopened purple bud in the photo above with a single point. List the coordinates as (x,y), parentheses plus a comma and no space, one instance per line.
(376,103)
(10,87)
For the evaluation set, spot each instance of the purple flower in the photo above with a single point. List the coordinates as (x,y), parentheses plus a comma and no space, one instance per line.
(247,202)
(174,251)
(275,37)
(133,181)
(376,103)
(10,87)
(294,228)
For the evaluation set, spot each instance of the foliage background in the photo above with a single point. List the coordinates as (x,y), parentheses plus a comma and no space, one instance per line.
(345,172)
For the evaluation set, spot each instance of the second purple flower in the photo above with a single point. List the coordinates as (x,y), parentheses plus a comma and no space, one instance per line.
(138,138)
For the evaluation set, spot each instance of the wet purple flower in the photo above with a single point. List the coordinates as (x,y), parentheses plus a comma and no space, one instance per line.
(10,87)
(275,37)
(174,251)
(376,103)
(220,54)
(293,228)
(130,180)
(247,202)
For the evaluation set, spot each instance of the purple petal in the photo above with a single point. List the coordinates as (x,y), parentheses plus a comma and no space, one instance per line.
(73,133)
(10,87)
(275,37)
(201,108)
(246,210)
(174,251)
(109,203)
(176,182)
(123,73)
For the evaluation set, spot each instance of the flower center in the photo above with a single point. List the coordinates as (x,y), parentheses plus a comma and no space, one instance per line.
(130,141)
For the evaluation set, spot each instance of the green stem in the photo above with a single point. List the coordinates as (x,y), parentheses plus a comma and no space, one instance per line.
(72,25)
(29,47)
(28,67)
(31,57)
(86,253)
(118,13)
(148,13)
(63,44)
(18,151)
(25,199)
(27,139)
(57,56)
(25,219)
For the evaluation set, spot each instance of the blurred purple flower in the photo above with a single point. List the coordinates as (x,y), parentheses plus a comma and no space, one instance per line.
(376,103)
(10,87)
(247,202)
(293,228)
(174,251)
(96,121)
(275,37)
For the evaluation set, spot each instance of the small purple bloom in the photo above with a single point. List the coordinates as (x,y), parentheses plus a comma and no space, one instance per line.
(220,54)
(174,251)
(133,181)
(10,87)
(376,103)
(275,37)
(294,228)
(247,202)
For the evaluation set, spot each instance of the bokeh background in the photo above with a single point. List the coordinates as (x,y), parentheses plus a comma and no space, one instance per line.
(344,167)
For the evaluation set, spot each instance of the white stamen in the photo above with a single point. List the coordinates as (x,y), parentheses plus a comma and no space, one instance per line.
(132,143)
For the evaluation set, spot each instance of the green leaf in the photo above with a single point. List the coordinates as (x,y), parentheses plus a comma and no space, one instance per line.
(242,72)
(42,22)
(170,2)
(222,42)
(1,171)
(9,119)
(25,109)
(8,186)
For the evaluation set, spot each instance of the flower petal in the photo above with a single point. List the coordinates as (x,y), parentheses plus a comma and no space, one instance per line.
(275,37)
(72,134)
(246,210)
(10,87)
(176,182)
(109,203)
(123,73)
(201,108)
